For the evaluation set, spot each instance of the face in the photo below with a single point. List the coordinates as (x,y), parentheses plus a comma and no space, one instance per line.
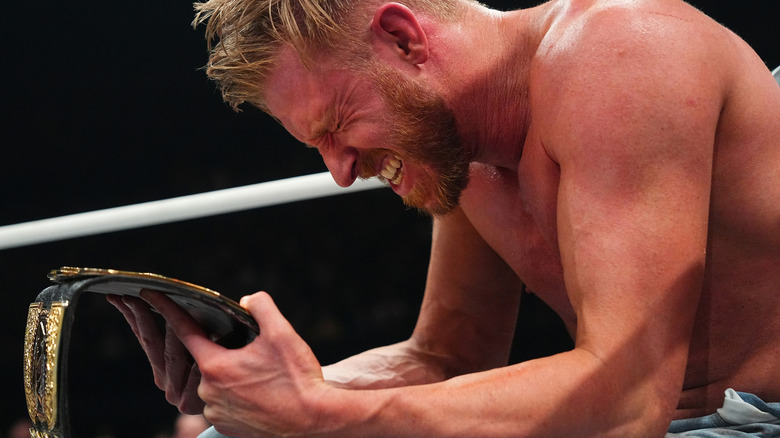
(375,123)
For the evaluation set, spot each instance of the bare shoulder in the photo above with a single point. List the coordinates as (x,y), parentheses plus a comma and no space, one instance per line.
(641,41)
(592,26)
(657,58)
(612,72)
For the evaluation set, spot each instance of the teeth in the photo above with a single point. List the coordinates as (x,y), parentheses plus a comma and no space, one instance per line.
(393,170)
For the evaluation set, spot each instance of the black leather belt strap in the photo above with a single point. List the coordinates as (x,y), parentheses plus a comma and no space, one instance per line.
(51,317)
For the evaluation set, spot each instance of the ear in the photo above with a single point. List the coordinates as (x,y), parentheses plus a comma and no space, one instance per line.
(398,34)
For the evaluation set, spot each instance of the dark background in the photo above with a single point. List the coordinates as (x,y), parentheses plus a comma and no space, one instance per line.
(104,105)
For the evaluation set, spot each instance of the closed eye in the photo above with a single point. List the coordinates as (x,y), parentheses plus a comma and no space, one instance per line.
(323,140)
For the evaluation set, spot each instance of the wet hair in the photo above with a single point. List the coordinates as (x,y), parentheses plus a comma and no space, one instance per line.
(244,36)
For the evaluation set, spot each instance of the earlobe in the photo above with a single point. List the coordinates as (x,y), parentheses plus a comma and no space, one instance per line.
(398,33)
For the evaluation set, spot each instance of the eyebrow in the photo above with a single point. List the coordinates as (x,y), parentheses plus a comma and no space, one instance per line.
(323,124)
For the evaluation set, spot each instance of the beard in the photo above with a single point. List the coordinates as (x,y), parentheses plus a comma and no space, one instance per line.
(423,131)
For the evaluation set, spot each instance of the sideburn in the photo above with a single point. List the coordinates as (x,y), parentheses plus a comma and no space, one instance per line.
(425,129)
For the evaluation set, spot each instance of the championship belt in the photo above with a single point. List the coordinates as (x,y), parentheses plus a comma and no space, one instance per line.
(51,317)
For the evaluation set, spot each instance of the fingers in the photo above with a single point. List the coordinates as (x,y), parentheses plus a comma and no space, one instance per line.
(175,371)
(123,307)
(191,403)
(145,328)
(178,365)
(183,325)
(117,302)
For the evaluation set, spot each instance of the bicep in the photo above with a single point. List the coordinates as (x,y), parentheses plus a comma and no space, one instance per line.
(632,256)
(633,208)
(471,299)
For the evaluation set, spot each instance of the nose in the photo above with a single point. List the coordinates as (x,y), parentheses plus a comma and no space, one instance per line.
(342,164)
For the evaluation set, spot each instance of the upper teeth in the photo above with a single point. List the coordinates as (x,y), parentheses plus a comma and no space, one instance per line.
(393,170)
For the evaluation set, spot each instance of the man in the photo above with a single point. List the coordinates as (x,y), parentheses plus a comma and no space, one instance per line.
(618,158)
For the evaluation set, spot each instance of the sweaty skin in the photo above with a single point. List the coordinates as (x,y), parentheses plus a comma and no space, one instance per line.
(624,162)
(730,115)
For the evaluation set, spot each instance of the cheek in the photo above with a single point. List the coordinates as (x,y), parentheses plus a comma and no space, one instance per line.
(367,135)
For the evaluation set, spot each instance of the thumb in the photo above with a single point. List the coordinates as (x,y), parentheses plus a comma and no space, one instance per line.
(263,309)
(279,339)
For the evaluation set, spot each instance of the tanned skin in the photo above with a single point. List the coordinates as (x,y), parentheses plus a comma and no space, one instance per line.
(624,166)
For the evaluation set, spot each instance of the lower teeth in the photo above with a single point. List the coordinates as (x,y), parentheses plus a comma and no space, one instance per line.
(398,177)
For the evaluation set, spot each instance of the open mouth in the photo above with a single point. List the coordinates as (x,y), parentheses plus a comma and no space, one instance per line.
(393,170)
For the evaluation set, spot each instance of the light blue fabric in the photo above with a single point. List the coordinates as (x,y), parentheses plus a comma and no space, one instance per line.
(776,74)
(212,433)
(715,425)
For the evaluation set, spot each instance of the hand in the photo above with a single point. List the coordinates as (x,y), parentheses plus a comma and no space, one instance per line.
(175,372)
(273,386)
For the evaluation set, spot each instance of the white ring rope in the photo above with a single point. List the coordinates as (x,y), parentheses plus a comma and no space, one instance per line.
(776,74)
(265,194)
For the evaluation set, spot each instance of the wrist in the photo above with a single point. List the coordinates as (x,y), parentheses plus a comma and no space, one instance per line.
(345,413)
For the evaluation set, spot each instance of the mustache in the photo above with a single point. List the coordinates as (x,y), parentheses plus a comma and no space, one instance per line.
(367,162)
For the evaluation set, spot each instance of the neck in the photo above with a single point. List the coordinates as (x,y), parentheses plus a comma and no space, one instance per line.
(485,82)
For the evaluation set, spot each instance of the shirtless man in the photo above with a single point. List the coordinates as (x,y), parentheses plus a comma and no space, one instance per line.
(619,158)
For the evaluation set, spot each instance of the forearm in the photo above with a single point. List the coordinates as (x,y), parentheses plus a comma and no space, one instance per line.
(401,364)
(570,394)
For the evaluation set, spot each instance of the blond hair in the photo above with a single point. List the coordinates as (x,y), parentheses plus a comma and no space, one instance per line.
(244,36)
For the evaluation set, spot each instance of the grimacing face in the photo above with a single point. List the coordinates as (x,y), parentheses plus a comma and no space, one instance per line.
(424,130)
(366,119)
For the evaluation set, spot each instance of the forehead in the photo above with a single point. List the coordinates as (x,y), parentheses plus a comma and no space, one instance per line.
(293,86)
(307,99)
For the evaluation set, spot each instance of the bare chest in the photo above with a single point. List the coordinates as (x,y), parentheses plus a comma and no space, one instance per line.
(515,214)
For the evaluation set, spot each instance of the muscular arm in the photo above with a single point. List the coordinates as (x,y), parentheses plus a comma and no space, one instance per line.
(635,159)
(632,236)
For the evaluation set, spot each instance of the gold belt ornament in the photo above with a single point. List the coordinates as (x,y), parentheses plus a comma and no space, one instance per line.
(41,347)
(52,313)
